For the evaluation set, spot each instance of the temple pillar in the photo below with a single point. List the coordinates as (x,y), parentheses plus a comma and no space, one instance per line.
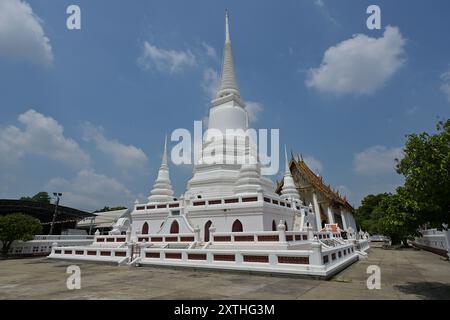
(281,228)
(344,219)
(197,237)
(330,215)
(302,219)
(317,212)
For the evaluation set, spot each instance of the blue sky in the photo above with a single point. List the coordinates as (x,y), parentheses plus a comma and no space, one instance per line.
(84,112)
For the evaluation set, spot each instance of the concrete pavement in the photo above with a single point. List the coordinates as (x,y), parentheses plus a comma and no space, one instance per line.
(405,274)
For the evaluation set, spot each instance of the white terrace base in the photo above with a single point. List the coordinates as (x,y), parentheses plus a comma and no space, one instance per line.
(267,252)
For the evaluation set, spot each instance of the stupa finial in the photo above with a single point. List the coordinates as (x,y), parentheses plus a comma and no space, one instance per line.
(227,28)
(228,83)
(164,159)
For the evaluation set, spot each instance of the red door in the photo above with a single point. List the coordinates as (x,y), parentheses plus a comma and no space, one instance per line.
(175,228)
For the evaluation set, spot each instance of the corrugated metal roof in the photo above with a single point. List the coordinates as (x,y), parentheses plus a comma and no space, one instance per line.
(102,219)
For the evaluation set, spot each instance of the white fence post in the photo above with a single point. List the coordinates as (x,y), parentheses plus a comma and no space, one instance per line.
(447,237)
(316,256)
(197,234)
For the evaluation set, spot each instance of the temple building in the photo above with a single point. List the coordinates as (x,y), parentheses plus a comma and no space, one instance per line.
(332,207)
(231,217)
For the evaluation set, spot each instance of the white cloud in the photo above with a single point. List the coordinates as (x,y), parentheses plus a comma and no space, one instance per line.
(21,34)
(42,136)
(319,3)
(314,164)
(376,160)
(124,156)
(253,109)
(210,51)
(445,86)
(89,191)
(322,8)
(359,65)
(210,82)
(171,61)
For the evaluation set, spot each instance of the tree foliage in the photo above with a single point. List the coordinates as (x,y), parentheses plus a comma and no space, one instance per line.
(368,214)
(17,226)
(426,167)
(42,197)
(397,219)
(425,197)
(106,209)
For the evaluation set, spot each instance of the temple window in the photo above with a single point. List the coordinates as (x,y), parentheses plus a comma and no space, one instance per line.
(174,228)
(207,226)
(145,228)
(237,226)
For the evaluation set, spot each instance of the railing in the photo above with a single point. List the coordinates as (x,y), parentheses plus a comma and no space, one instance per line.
(335,255)
(362,245)
(327,235)
(229,257)
(110,239)
(62,237)
(296,236)
(167,205)
(434,240)
(224,201)
(270,236)
(89,253)
(166,238)
(41,245)
(258,237)
(316,260)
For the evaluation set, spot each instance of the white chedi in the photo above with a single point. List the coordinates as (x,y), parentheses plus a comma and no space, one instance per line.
(249,179)
(162,189)
(289,191)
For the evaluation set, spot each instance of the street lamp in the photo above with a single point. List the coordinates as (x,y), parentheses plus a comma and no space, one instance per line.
(57,195)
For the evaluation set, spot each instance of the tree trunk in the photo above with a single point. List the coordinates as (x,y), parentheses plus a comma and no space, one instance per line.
(5,248)
(395,240)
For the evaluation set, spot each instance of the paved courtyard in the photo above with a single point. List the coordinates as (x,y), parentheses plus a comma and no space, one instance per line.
(405,274)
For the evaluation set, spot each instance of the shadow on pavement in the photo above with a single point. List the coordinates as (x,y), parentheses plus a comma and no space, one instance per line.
(426,290)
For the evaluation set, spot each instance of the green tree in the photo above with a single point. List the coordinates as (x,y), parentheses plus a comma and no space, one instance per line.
(369,213)
(41,197)
(17,226)
(426,167)
(397,218)
(106,209)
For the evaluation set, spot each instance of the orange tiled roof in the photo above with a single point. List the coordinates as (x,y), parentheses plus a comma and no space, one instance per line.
(316,181)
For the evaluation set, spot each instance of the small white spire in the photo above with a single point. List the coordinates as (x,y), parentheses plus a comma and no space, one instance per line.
(289,191)
(164,159)
(162,189)
(286,163)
